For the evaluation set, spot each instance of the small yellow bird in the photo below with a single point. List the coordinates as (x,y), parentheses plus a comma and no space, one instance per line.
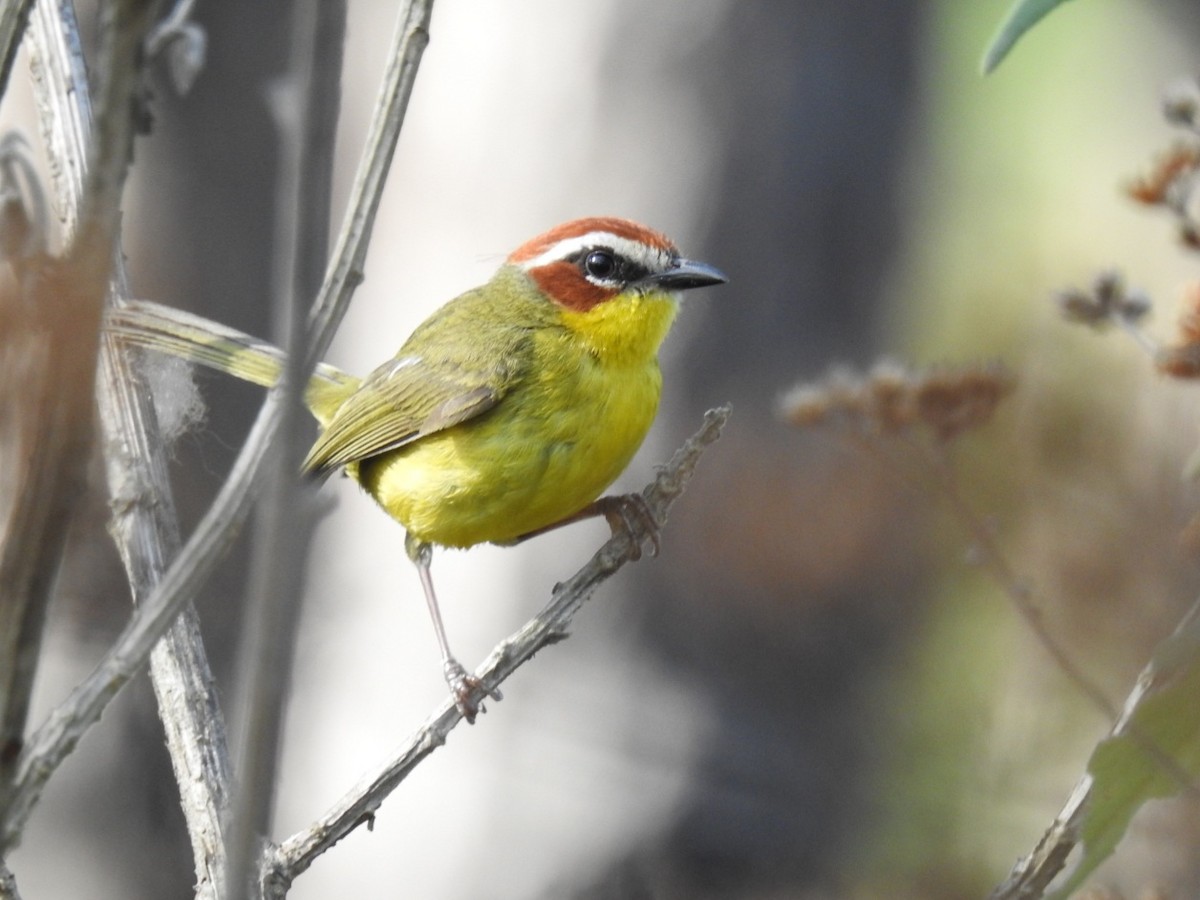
(506,413)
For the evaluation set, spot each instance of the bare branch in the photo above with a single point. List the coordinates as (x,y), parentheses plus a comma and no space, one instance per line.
(346,270)
(282,863)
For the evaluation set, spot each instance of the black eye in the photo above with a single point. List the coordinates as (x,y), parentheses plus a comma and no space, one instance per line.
(600,264)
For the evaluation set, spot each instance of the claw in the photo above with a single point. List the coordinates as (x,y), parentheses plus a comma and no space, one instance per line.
(468,690)
(630,513)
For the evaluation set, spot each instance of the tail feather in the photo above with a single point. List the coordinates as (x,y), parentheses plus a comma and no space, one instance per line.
(207,343)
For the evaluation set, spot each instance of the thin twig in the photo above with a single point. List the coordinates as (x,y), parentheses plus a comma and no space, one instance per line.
(286,514)
(52,437)
(346,270)
(282,863)
(144,524)
(990,556)
(188,572)
(938,474)
(1034,873)
(933,470)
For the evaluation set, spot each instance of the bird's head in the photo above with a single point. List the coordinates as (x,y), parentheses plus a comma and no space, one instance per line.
(616,282)
(586,262)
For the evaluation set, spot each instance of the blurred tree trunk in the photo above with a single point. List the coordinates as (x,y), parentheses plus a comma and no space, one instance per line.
(791,570)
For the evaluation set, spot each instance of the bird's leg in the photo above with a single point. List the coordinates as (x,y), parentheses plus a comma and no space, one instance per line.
(628,513)
(462,684)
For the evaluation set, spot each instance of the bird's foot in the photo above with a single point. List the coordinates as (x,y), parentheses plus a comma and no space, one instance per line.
(631,514)
(468,691)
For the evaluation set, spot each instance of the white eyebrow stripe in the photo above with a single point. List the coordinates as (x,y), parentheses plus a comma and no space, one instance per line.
(651,257)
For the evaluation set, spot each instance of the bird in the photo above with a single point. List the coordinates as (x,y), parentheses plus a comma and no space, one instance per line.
(505,414)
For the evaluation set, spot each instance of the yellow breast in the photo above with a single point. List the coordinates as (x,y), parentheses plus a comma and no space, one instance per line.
(553,443)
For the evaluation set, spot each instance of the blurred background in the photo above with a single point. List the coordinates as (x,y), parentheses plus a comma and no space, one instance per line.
(811,693)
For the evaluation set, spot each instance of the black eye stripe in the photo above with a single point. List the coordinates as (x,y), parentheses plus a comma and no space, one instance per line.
(625,270)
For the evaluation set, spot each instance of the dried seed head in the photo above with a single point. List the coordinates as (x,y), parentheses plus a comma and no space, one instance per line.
(1078,305)
(1165,173)
(1108,301)
(954,401)
(1182,359)
(1181,104)
(891,400)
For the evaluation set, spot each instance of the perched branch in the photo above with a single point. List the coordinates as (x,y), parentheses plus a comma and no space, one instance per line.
(282,863)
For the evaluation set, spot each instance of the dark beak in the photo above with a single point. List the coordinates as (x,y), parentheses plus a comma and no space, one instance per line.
(687,274)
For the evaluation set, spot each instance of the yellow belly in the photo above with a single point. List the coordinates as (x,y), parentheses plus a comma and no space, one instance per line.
(549,448)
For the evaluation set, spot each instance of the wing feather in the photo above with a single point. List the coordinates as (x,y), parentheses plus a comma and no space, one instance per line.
(456,366)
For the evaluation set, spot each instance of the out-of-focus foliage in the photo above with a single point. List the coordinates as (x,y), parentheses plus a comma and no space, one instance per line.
(1023,16)
(1154,752)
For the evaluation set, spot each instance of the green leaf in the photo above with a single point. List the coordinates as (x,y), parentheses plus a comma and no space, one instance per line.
(1153,752)
(1023,16)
